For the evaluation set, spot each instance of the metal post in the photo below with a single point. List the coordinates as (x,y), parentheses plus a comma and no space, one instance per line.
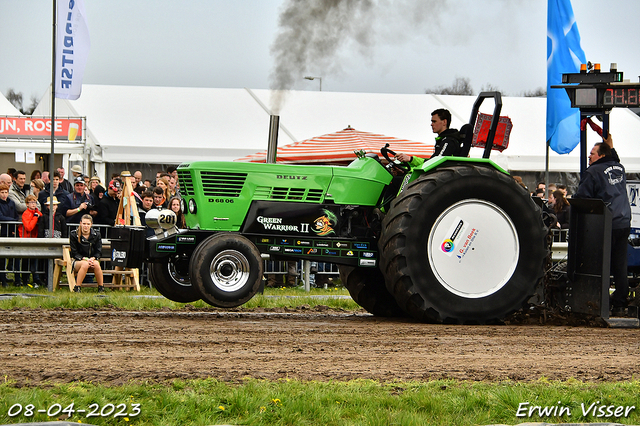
(306,265)
(53,127)
(272,147)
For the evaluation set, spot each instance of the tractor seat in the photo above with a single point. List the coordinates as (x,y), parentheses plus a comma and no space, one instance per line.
(466,133)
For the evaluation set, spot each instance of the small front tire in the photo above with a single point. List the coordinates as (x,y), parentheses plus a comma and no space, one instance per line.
(226,269)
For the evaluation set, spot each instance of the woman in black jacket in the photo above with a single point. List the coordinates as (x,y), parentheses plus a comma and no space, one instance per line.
(86,250)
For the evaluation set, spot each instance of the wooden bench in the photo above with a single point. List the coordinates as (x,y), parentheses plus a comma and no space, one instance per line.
(131,276)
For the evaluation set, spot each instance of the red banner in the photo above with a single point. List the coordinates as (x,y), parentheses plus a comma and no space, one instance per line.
(30,127)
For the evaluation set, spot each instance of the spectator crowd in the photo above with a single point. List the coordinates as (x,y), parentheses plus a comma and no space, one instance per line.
(27,206)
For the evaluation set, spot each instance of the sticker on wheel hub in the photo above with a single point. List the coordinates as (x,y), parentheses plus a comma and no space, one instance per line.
(456,232)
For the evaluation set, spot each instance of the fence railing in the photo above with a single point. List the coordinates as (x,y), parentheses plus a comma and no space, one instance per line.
(29,255)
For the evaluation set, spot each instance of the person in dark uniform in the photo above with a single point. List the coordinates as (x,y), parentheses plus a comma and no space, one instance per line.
(448,141)
(605,179)
(108,206)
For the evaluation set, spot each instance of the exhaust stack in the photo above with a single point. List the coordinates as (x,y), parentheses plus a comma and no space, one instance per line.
(272,147)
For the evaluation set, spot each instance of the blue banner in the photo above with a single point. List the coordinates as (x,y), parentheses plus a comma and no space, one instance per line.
(564,55)
(72,48)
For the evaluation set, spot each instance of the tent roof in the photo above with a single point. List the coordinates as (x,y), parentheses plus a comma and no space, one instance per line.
(339,147)
(7,108)
(179,124)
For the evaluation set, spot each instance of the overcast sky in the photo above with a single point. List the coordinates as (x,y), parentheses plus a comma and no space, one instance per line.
(395,46)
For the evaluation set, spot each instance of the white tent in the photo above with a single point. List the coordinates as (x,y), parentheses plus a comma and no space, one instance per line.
(176,124)
(7,108)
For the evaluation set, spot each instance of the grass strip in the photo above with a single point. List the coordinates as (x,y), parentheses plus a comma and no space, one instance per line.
(293,402)
(150,299)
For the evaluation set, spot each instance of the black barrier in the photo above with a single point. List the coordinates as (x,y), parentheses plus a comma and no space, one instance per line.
(127,246)
(589,257)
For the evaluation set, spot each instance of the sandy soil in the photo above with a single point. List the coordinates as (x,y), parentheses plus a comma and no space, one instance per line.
(115,346)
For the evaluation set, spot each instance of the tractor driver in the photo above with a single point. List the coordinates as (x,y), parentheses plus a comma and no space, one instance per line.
(447,142)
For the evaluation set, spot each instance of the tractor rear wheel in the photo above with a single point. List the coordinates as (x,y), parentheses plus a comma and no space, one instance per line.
(226,270)
(367,288)
(463,244)
(171,279)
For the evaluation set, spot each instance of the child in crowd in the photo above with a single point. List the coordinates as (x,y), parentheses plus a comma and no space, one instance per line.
(29,229)
(7,214)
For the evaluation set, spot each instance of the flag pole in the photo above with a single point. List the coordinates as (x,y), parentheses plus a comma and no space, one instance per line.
(53,127)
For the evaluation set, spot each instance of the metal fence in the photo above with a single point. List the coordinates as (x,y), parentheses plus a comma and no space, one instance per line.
(33,260)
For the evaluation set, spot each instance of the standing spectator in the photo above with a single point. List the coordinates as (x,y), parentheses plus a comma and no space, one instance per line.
(58,192)
(563,188)
(59,225)
(147,183)
(76,171)
(6,179)
(65,184)
(86,250)
(36,174)
(29,229)
(605,179)
(78,202)
(173,188)
(7,214)
(17,191)
(159,200)
(147,204)
(561,208)
(59,222)
(37,185)
(108,206)
(174,205)
(163,183)
(93,183)
(138,176)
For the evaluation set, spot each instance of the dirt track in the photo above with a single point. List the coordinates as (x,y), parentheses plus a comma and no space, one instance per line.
(117,346)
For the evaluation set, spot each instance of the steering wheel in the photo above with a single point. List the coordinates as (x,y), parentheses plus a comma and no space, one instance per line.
(401,167)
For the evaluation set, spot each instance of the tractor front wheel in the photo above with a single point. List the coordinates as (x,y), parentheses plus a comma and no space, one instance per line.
(226,269)
(171,279)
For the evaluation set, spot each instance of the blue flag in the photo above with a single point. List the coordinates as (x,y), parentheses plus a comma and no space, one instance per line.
(564,55)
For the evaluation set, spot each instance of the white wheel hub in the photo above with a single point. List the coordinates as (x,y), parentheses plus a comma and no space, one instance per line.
(229,270)
(473,248)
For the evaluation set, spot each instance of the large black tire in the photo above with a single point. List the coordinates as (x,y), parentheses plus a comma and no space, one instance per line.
(367,288)
(226,270)
(463,244)
(171,279)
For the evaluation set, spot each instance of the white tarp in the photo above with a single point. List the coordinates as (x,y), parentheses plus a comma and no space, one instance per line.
(7,108)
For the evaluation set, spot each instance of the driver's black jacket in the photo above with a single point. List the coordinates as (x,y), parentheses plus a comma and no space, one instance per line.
(447,144)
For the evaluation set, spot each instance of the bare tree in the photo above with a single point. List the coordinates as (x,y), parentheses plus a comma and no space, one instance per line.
(16,100)
(460,86)
(540,92)
(491,88)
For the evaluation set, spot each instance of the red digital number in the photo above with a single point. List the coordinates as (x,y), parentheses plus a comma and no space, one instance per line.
(619,97)
(632,98)
(607,99)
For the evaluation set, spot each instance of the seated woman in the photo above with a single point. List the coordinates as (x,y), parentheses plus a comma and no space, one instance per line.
(86,250)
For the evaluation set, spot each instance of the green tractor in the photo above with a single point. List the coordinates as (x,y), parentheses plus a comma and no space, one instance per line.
(456,240)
